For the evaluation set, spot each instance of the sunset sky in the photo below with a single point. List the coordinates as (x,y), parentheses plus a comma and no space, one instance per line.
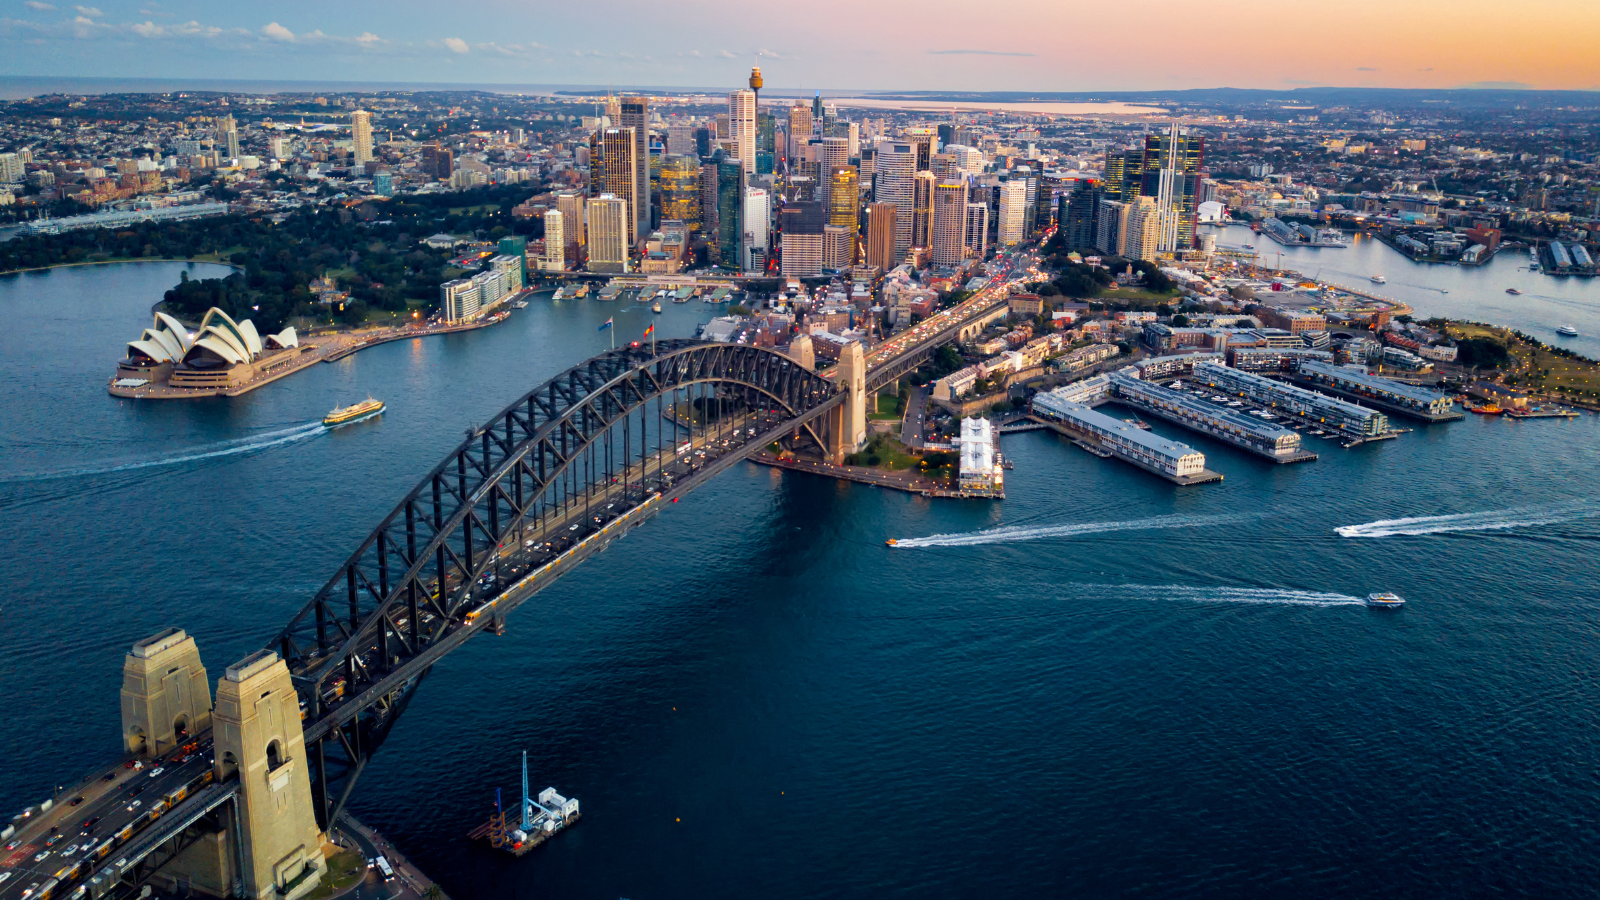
(1038,45)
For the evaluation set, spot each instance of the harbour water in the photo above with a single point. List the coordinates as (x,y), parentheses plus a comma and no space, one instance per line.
(1103,685)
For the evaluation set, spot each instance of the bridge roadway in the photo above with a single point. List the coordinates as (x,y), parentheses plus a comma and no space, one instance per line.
(116,818)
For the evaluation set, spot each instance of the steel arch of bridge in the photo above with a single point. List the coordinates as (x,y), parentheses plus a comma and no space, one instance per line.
(358,650)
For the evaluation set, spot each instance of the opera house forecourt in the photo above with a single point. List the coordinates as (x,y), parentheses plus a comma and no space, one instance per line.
(220,356)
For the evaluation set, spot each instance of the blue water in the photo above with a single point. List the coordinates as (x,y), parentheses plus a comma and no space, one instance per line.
(1101,686)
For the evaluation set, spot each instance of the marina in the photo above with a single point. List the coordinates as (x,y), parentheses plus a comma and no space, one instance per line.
(1107,437)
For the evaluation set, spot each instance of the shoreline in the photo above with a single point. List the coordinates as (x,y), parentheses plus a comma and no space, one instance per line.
(111,262)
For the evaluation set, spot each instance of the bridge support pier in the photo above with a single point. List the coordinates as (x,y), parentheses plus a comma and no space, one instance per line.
(847,430)
(165,694)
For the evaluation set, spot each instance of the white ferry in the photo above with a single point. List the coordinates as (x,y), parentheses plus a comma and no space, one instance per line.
(1385,600)
(1567,331)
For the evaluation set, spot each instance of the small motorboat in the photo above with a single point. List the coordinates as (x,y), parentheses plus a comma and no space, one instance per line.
(1385,600)
(1567,330)
(656,307)
(890,542)
(1514,292)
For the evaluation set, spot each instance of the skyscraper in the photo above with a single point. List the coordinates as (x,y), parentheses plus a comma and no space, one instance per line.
(945,166)
(949,239)
(926,141)
(360,136)
(609,225)
(555,243)
(571,203)
(438,162)
(635,115)
(708,202)
(230,136)
(894,181)
(1080,212)
(799,130)
(1141,235)
(922,209)
(1108,225)
(742,127)
(834,155)
(1013,213)
(1124,174)
(730,207)
(757,231)
(880,236)
(977,229)
(843,212)
(802,229)
(680,191)
(1171,172)
(620,165)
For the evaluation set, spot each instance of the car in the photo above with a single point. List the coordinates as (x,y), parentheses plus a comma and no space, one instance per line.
(76,800)
(110,776)
(135,805)
(128,764)
(14,844)
(157,771)
(91,823)
(40,857)
(71,849)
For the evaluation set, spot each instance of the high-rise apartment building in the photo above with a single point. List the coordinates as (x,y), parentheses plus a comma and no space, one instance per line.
(680,191)
(459,300)
(1108,225)
(1012,218)
(620,168)
(437,161)
(12,169)
(730,207)
(880,236)
(949,223)
(610,226)
(757,229)
(799,129)
(571,203)
(894,181)
(634,115)
(838,248)
(361,136)
(1141,235)
(230,136)
(708,201)
(977,229)
(555,243)
(922,209)
(742,127)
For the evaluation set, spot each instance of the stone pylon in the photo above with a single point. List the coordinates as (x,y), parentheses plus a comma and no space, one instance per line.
(165,694)
(848,426)
(259,740)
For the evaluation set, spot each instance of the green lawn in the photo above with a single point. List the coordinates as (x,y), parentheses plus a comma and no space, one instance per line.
(1134,295)
(889,408)
(345,869)
(883,452)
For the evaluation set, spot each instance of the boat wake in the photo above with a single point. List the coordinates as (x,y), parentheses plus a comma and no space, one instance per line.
(1011,534)
(1489,520)
(211,451)
(1218,594)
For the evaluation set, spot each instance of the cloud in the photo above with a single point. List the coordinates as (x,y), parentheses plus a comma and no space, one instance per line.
(768,54)
(368,38)
(90,11)
(1365,69)
(977,53)
(457,45)
(727,54)
(1495,86)
(39,5)
(277,32)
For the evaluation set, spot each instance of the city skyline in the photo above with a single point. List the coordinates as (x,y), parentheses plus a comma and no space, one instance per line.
(1430,44)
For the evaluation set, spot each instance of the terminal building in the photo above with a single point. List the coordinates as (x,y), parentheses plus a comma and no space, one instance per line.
(1328,412)
(980,465)
(1176,462)
(1240,429)
(1385,393)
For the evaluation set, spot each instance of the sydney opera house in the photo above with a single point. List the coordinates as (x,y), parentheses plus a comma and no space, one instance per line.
(222,353)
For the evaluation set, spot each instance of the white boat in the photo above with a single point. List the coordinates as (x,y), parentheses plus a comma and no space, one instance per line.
(1385,600)
(1379,279)
(1567,330)
(560,292)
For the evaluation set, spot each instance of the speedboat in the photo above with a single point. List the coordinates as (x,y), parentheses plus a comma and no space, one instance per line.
(1567,330)
(890,542)
(1514,292)
(1385,600)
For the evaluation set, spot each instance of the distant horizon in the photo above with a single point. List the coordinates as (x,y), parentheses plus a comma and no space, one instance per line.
(15,87)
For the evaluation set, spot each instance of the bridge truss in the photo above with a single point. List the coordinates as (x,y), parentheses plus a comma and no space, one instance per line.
(549,481)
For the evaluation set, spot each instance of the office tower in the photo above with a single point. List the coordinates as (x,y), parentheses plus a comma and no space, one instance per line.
(880,236)
(977,229)
(1171,172)
(865,168)
(1124,174)
(708,202)
(1141,236)
(894,181)
(1025,175)
(802,227)
(817,114)
(278,147)
(945,166)
(1108,225)
(799,129)
(610,224)
(757,229)
(730,205)
(680,139)
(1013,213)
(570,203)
(843,207)
(705,138)
(722,126)
(922,209)
(766,143)
(832,153)
(230,135)
(383,184)
(947,135)
(555,243)
(1044,203)
(742,127)
(949,223)
(925,140)
(838,248)
(635,115)
(1080,212)
(658,153)
(360,136)
(437,161)
(620,166)
(680,191)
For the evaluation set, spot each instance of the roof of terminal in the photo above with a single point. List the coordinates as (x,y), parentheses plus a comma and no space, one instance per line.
(1398,388)
(1118,427)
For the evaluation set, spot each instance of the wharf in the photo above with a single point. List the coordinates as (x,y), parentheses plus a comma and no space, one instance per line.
(1396,408)
(899,481)
(1229,439)
(1088,442)
(1541,414)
